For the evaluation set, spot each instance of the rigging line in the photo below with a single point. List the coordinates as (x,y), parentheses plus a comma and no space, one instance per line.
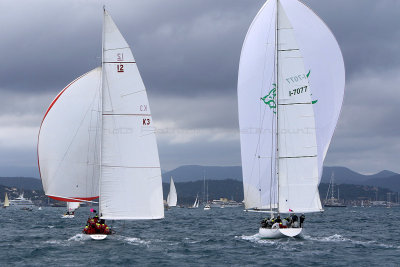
(88,146)
(72,140)
(271,191)
(134,93)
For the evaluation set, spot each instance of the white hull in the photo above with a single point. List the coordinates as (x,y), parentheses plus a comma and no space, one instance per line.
(98,236)
(67,216)
(279,232)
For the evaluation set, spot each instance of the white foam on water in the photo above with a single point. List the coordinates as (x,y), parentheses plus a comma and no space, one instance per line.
(256,239)
(55,242)
(50,226)
(79,237)
(340,238)
(134,241)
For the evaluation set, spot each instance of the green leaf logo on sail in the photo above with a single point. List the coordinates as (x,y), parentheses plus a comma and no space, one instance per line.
(269,99)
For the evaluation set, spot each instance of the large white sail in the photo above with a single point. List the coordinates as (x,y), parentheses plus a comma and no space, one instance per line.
(172,197)
(130,183)
(68,141)
(312,59)
(323,61)
(256,118)
(297,143)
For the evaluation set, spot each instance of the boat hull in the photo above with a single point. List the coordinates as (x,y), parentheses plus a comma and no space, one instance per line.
(67,216)
(98,236)
(268,233)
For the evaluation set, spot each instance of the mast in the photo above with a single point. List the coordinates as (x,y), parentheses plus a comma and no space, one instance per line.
(101,107)
(277,101)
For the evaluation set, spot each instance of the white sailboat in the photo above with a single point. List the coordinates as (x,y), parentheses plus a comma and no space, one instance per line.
(6,203)
(207,205)
(71,207)
(172,197)
(290,92)
(196,203)
(97,139)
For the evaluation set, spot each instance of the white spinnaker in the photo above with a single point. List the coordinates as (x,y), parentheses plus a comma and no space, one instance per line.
(130,183)
(323,58)
(72,206)
(256,119)
(172,196)
(69,139)
(297,143)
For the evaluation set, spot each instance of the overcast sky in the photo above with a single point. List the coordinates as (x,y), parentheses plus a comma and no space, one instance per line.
(188,55)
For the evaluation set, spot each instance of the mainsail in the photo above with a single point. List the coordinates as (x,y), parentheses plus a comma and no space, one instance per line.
(172,197)
(290,91)
(130,181)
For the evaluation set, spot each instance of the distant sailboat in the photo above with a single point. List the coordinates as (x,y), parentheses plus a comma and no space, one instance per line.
(333,202)
(290,92)
(207,205)
(97,139)
(172,195)
(6,201)
(71,207)
(196,203)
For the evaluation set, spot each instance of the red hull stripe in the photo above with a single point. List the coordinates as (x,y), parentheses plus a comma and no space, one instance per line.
(73,199)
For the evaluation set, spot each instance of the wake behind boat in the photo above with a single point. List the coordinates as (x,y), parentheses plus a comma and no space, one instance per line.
(108,150)
(290,92)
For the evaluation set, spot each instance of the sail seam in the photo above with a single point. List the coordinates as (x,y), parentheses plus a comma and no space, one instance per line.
(125,114)
(314,156)
(115,166)
(120,62)
(299,103)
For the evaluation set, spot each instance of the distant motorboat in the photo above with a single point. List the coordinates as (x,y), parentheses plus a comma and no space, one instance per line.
(21,202)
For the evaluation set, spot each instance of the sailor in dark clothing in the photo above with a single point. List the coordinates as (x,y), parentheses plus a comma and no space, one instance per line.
(264,223)
(278,219)
(302,218)
(294,218)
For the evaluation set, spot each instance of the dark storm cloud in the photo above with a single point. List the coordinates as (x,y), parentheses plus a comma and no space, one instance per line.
(188,54)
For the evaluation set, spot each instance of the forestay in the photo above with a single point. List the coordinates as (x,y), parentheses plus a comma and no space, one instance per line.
(130,183)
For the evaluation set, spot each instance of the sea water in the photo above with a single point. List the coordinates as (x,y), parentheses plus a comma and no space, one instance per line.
(194,237)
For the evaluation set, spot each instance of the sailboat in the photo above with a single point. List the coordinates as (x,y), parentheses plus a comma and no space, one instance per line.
(290,92)
(333,202)
(172,197)
(6,201)
(207,205)
(196,203)
(71,207)
(97,139)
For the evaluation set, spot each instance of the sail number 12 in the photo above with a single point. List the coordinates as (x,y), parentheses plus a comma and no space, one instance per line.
(120,68)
